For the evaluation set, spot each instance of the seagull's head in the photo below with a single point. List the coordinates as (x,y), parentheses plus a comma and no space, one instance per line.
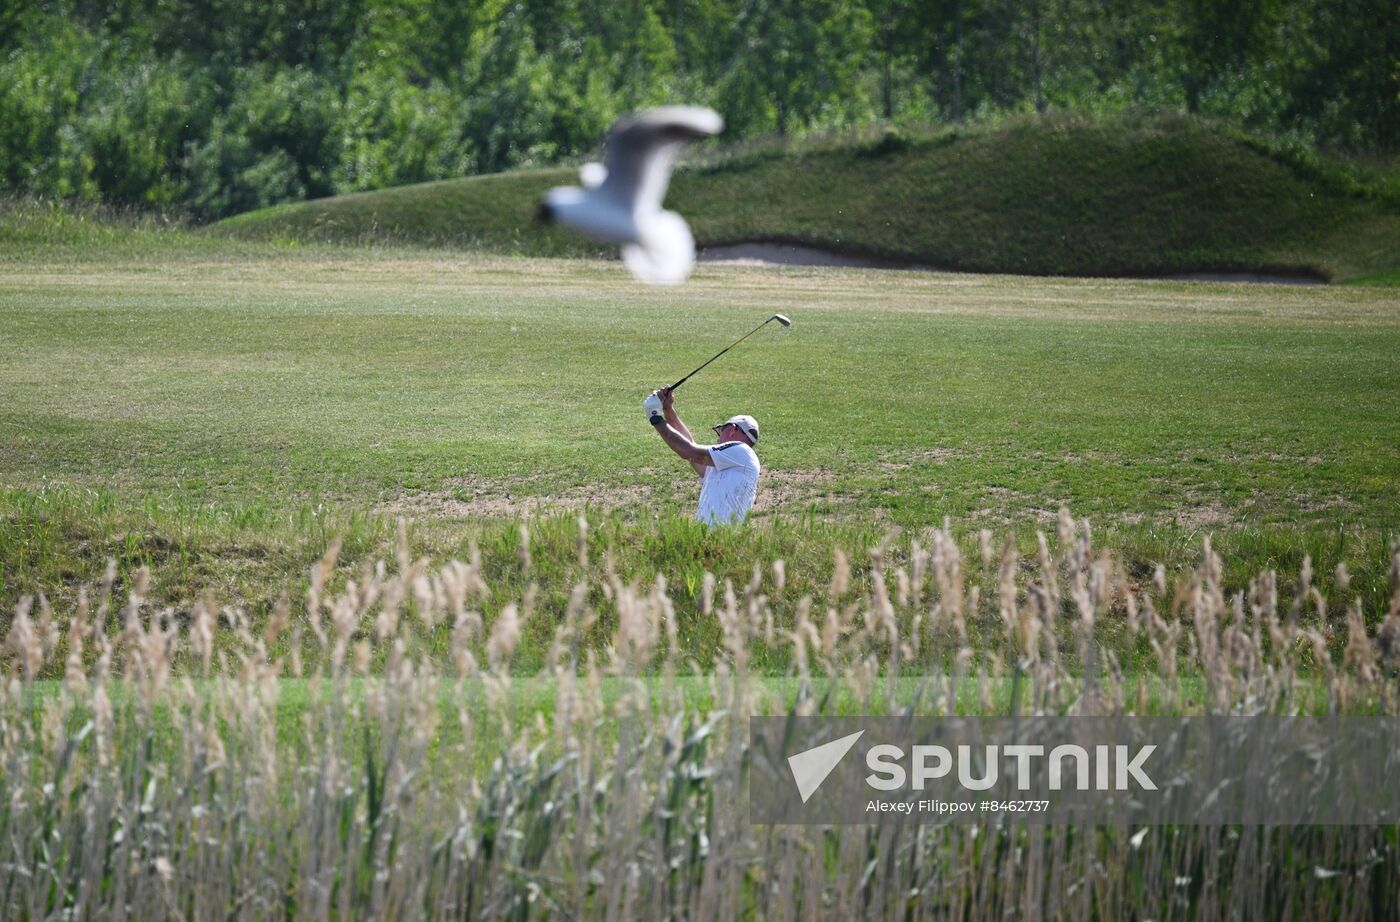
(592,175)
(557,203)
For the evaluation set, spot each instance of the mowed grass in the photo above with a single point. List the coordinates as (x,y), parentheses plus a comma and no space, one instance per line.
(251,404)
(445,384)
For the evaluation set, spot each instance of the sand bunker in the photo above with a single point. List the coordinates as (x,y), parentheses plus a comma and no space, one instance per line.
(788,254)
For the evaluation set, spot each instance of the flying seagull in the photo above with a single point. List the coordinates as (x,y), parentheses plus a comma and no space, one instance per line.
(621,202)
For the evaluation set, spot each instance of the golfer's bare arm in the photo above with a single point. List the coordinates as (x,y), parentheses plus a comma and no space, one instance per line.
(673,420)
(697,455)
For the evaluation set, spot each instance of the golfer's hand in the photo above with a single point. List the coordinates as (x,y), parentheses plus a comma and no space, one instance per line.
(653,407)
(668,399)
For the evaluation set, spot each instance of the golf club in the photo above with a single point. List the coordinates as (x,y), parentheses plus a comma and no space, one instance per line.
(778,317)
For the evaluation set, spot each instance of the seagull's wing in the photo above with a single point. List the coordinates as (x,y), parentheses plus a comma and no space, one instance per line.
(643,148)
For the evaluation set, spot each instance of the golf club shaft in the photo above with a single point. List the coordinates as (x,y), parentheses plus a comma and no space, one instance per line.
(723,351)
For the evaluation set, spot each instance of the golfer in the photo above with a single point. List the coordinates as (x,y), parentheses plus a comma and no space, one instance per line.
(728,471)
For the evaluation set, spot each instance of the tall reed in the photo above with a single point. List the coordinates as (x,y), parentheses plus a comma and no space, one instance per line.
(375,755)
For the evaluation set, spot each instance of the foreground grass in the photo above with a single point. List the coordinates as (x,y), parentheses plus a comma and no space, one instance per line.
(1061,195)
(275,778)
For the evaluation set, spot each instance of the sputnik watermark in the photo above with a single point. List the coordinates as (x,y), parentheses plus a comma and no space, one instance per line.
(1266,769)
(1112,766)
(949,808)
(811,768)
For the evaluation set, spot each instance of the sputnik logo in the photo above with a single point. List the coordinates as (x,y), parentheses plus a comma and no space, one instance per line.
(811,767)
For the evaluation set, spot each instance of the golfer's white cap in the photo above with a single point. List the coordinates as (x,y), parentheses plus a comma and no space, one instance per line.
(747,423)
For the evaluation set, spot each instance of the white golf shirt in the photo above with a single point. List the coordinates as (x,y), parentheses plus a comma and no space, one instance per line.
(727,489)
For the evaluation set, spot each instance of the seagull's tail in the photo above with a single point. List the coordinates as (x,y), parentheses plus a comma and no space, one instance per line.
(665,251)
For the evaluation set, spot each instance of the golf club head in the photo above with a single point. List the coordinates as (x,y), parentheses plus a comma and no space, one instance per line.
(778,317)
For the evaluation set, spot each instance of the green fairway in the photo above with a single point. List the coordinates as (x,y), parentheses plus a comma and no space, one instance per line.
(446,386)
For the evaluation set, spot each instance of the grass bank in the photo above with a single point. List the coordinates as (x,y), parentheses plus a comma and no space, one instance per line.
(1060,195)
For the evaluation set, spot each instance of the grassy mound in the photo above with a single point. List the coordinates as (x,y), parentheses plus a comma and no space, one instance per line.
(1056,196)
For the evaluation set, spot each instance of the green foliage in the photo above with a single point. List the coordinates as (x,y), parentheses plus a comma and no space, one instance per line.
(231,34)
(1216,38)
(519,110)
(791,62)
(138,126)
(226,105)
(397,133)
(16,19)
(41,149)
(1346,88)
(276,141)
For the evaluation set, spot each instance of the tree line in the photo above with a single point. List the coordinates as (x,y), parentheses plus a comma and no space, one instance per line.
(219,106)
